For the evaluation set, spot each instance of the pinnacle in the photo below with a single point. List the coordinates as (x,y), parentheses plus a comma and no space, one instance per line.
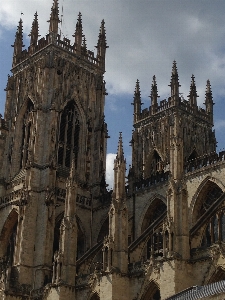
(154,90)
(34,30)
(208,86)
(102,36)
(208,91)
(54,17)
(193,85)
(174,68)
(120,153)
(137,87)
(79,20)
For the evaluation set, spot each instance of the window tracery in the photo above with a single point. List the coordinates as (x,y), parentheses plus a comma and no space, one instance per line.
(69,136)
(215,230)
(26,133)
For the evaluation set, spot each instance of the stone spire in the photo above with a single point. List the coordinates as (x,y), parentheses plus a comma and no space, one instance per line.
(209,101)
(137,102)
(78,34)
(54,18)
(193,93)
(174,84)
(102,44)
(154,96)
(18,44)
(34,31)
(119,172)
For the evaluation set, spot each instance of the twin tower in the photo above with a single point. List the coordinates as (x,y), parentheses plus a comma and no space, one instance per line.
(62,234)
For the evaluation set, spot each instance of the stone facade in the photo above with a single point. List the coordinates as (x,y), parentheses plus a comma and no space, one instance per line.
(62,234)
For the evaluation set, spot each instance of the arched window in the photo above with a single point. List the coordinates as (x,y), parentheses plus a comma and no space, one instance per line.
(69,136)
(155,210)
(11,246)
(152,293)
(209,194)
(26,133)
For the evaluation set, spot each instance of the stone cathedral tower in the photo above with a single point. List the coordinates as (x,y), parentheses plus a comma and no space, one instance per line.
(62,234)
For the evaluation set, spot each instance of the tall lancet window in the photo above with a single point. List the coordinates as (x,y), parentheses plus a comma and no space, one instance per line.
(26,133)
(69,135)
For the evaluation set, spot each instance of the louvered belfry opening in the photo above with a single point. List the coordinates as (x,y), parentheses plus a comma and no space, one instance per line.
(69,136)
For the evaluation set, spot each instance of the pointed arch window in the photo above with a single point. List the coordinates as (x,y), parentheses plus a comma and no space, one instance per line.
(26,133)
(69,135)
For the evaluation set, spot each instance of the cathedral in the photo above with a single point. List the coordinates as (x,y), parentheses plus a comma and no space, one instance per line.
(159,234)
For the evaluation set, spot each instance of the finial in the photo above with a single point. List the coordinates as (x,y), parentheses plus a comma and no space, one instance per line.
(174,68)
(79,20)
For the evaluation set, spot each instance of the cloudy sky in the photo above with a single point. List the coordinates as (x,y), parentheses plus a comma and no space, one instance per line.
(144,38)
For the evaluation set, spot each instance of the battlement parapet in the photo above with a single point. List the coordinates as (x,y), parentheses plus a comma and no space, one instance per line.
(64,44)
(167,103)
(204,161)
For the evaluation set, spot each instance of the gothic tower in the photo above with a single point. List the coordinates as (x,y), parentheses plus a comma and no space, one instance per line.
(53,154)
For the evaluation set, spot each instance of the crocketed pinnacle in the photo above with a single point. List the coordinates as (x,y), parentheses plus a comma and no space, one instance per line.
(154,93)
(174,76)
(120,153)
(209,101)
(18,44)
(137,101)
(193,92)
(54,17)
(34,34)
(102,36)
(174,84)
(78,30)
